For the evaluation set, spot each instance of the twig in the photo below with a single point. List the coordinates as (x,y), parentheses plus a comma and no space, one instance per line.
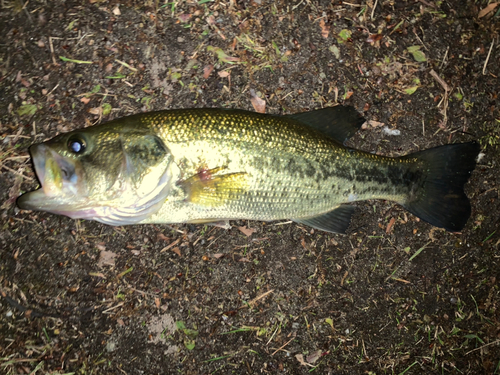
(170,246)
(420,40)
(296,6)
(52,51)
(113,307)
(17,157)
(440,80)
(428,4)
(280,348)
(485,345)
(488,57)
(283,223)
(353,5)
(373,9)
(444,58)
(144,293)
(445,97)
(263,295)
(18,173)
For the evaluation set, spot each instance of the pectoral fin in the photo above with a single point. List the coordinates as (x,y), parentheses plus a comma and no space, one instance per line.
(208,188)
(336,221)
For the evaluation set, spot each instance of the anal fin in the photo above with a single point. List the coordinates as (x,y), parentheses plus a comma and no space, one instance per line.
(335,221)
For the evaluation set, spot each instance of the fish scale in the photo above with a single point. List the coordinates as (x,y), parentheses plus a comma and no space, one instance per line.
(287,180)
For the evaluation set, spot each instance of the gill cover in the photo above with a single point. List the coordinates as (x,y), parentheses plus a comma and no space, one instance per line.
(144,181)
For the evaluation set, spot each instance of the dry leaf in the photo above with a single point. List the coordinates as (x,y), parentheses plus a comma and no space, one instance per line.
(106,258)
(25,83)
(211,20)
(258,104)
(96,111)
(325,30)
(304,244)
(177,251)
(116,11)
(85,100)
(247,231)
(374,38)
(373,124)
(161,236)
(207,70)
(390,225)
(224,74)
(185,17)
(218,255)
(488,9)
(314,356)
(300,358)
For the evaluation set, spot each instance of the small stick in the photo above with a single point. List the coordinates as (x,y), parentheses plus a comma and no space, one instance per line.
(280,348)
(52,50)
(488,57)
(485,345)
(373,9)
(440,80)
(16,172)
(258,298)
(444,58)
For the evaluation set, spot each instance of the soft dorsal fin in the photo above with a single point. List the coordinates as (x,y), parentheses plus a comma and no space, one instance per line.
(339,122)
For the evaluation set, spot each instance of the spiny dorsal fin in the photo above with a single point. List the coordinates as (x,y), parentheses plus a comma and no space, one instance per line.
(340,122)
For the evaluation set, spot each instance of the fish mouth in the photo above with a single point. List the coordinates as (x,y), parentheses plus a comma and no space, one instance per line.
(58,179)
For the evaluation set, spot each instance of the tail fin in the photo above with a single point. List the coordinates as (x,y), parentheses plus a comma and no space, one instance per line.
(440,198)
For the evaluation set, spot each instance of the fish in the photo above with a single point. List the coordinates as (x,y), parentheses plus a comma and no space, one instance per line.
(210,165)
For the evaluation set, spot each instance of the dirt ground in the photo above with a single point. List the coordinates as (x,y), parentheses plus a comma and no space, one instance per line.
(394,296)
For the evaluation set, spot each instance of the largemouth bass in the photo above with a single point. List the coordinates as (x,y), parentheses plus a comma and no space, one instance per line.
(211,165)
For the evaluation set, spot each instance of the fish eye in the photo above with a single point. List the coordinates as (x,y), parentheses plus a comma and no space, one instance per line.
(77,145)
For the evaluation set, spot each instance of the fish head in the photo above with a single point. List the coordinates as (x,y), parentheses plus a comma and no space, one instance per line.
(113,176)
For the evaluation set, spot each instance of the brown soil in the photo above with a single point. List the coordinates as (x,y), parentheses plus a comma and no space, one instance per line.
(394,296)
